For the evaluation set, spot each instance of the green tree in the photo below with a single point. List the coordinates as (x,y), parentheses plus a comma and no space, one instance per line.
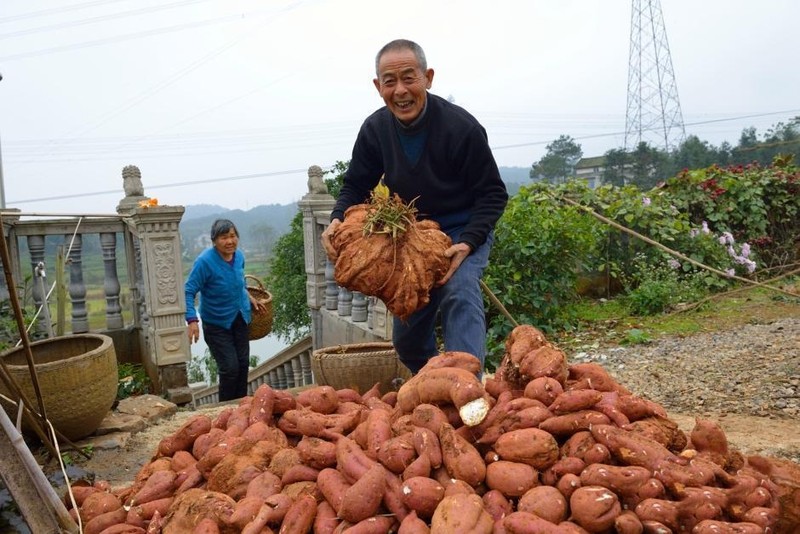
(616,166)
(559,162)
(648,166)
(262,238)
(287,283)
(287,272)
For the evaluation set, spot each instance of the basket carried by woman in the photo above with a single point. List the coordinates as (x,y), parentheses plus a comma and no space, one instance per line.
(261,322)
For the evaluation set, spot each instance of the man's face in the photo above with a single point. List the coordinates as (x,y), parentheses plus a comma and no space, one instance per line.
(402,84)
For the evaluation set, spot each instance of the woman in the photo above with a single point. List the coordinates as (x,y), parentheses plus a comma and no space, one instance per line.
(225,306)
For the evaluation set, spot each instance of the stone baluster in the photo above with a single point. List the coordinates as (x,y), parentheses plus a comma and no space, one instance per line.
(371,312)
(297,372)
(305,365)
(280,372)
(108,242)
(287,370)
(36,249)
(345,302)
(77,289)
(331,289)
(359,312)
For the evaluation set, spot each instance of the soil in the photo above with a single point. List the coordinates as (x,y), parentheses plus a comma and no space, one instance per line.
(744,374)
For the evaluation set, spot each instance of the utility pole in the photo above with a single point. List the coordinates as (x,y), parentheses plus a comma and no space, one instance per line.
(654,111)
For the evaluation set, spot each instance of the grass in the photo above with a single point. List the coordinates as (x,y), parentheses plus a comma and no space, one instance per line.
(607,321)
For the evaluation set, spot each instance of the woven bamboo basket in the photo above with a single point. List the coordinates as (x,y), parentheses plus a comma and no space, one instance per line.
(77,377)
(358,366)
(261,321)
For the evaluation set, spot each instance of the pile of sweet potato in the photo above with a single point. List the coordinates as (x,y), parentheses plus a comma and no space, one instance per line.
(396,258)
(542,447)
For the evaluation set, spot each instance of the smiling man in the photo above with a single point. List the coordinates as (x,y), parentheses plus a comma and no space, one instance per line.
(433,152)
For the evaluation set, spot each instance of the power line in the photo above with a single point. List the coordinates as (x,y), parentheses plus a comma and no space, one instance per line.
(51,11)
(99,18)
(165,186)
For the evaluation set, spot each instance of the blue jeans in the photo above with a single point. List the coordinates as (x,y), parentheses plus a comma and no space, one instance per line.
(230,348)
(460,304)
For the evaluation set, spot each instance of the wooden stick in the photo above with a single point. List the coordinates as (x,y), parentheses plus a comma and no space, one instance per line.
(669,250)
(497,303)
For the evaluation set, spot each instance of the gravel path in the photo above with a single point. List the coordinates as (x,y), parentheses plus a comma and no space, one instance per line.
(753,370)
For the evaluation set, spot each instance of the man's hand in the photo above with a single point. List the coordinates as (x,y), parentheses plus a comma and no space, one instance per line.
(457,253)
(194,332)
(326,239)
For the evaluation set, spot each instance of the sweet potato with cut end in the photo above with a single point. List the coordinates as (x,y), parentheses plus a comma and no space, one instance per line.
(446,385)
(532,446)
(461,513)
(595,508)
(546,502)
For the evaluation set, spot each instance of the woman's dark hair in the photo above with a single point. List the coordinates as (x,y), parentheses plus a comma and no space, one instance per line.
(222,226)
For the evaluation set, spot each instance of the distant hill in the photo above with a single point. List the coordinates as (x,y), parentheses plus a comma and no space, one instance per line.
(514,177)
(259,227)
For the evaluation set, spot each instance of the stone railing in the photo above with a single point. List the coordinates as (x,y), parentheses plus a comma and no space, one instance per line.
(290,368)
(146,320)
(338,316)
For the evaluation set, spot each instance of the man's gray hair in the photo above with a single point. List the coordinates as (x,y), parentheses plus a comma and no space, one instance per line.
(222,226)
(402,44)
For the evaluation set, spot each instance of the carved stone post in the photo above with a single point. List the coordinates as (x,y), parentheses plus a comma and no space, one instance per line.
(165,339)
(316,206)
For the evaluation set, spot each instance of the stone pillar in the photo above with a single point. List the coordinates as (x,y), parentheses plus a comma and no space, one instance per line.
(315,206)
(156,231)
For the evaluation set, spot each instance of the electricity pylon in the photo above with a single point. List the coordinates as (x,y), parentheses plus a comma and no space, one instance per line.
(654,112)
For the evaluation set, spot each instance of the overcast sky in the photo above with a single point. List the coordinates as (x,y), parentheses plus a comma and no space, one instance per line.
(237,98)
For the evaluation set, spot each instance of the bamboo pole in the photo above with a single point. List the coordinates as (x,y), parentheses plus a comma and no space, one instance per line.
(666,249)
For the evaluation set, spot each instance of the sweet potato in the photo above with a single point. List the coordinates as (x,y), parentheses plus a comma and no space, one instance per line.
(333,485)
(378,430)
(317,453)
(261,431)
(544,389)
(568,484)
(460,457)
(527,523)
(181,460)
(397,453)
(413,525)
(496,504)
(513,479)
(206,526)
(304,422)
(461,360)
(422,495)
(101,522)
(160,484)
(283,460)
(568,424)
(461,513)
(262,405)
(574,400)
(372,525)
(426,442)
(420,467)
(140,514)
(523,339)
(300,516)
(547,360)
(628,523)
(428,416)
(184,437)
(205,442)
(321,399)
(595,508)
(245,510)
(449,384)
(592,375)
(546,502)
(79,494)
(710,526)
(633,449)
(98,503)
(326,520)
(532,446)
(124,529)
(362,499)
(298,473)
(565,465)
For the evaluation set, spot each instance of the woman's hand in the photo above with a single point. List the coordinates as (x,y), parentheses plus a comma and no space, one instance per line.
(257,305)
(194,332)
